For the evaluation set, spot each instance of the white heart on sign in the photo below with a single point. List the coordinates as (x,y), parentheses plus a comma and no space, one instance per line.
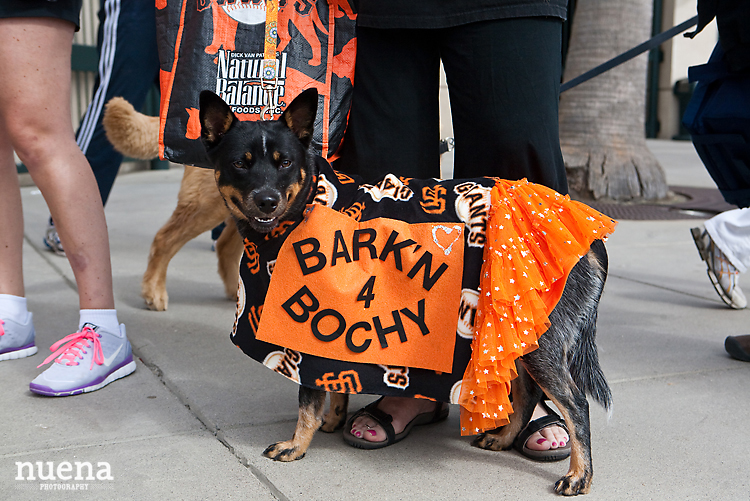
(448,230)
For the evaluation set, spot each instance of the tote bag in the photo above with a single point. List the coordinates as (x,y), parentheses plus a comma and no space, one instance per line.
(225,46)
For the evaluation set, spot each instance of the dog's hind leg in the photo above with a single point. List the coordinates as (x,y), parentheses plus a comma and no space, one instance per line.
(199,208)
(311,403)
(575,412)
(572,404)
(336,415)
(229,251)
(526,393)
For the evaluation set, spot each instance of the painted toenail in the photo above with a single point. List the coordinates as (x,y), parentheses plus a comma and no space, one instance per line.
(372,432)
(541,440)
(554,444)
(357,434)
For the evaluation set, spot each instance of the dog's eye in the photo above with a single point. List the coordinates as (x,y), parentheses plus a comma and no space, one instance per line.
(286,163)
(238,164)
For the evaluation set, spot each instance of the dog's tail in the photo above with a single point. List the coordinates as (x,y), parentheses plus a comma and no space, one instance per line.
(586,371)
(133,134)
(584,366)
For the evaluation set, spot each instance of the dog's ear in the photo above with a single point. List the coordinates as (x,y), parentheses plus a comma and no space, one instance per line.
(300,115)
(215,116)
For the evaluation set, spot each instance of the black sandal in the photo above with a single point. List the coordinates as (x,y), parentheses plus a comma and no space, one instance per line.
(384,420)
(551,419)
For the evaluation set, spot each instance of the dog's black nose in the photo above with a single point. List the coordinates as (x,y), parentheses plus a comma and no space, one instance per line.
(267,203)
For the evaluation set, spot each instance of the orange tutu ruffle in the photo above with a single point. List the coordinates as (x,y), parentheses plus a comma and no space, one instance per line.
(535,236)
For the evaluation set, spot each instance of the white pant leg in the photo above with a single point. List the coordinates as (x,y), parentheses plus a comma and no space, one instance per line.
(730,231)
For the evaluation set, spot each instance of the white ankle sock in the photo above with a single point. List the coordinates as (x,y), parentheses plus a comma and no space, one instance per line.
(13,308)
(106,319)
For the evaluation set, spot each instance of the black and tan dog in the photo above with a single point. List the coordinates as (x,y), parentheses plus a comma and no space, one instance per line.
(266,175)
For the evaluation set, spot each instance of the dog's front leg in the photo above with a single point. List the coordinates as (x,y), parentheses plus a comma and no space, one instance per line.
(310,418)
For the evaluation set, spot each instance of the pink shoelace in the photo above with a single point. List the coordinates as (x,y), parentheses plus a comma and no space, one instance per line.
(2,331)
(73,346)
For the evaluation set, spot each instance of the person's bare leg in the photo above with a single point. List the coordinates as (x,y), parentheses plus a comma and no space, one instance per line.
(35,111)
(11,222)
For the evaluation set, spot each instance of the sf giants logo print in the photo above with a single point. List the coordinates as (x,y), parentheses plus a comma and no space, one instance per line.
(253,258)
(390,187)
(240,305)
(253,317)
(343,178)
(467,312)
(433,199)
(472,207)
(285,362)
(326,193)
(279,230)
(355,211)
(345,382)
(396,377)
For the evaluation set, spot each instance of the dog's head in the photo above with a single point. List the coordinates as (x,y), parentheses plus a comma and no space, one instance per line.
(261,168)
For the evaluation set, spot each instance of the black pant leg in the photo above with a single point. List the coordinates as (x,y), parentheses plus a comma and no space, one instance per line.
(128,67)
(504,79)
(394,120)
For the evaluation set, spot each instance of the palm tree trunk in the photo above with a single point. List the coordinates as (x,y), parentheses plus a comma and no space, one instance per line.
(602,129)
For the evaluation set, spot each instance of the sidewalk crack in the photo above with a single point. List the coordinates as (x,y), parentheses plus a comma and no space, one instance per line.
(209,425)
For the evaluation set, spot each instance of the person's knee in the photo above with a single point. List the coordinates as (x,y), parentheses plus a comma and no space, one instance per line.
(35,141)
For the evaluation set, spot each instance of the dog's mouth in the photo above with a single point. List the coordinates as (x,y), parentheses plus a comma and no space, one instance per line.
(266,212)
(264,224)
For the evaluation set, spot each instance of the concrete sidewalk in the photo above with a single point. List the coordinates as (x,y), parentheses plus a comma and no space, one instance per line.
(192,421)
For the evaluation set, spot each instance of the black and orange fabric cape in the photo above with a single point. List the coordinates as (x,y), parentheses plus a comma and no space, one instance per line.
(415,288)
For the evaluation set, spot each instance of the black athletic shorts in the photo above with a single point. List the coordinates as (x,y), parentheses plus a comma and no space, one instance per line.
(69,10)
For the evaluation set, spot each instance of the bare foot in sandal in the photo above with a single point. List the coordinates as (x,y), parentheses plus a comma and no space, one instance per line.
(552,437)
(402,410)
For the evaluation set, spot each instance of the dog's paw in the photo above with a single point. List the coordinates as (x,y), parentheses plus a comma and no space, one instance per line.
(156,301)
(492,442)
(283,451)
(573,484)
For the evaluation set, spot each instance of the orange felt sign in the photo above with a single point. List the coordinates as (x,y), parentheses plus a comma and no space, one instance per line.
(380,291)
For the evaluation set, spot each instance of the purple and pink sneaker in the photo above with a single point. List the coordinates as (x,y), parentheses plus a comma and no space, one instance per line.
(85,361)
(16,340)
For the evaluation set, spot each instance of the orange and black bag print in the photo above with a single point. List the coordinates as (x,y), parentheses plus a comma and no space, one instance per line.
(219,45)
